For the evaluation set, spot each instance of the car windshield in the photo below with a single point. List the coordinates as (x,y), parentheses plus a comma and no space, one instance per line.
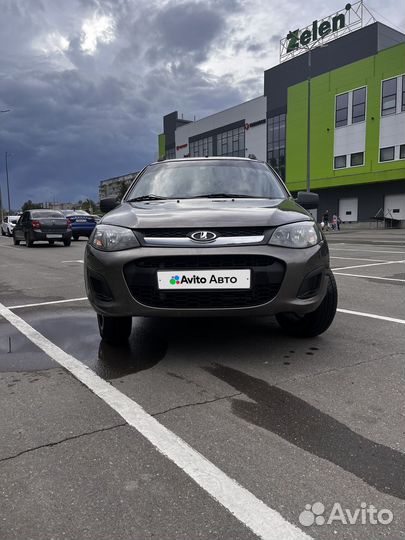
(74,212)
(45,214)
(199,178)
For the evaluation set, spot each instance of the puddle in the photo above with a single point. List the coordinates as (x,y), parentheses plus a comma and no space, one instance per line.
(24,355)
(76,333)
(307,427)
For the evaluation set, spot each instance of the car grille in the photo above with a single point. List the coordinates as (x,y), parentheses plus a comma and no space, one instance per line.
(266,276)
(183,233)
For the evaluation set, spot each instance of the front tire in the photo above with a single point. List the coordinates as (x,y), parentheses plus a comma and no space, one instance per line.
(75,237)
(2,232)
(15,241)
(114,330)
(314,323)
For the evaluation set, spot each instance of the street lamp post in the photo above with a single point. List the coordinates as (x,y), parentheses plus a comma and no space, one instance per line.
(1,200)
(309,123)
(8,186)
(1,208)
(309,75)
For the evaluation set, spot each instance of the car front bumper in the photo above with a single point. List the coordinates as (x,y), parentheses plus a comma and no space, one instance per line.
(110,294)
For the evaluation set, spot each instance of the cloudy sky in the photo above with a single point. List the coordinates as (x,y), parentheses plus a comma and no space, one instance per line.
(88,81)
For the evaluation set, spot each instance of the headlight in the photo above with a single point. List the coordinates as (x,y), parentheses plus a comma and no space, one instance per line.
(111,238)
(296,235)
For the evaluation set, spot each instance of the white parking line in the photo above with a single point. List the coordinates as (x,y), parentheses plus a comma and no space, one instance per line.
(75,260)
(371,315)
(265,522)
(368,277)
(364,250)
(48,303)
(364,265)
(357,259)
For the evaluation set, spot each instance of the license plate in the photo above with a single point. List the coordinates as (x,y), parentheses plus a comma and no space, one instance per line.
(180,280)
(81,220)
(54,236)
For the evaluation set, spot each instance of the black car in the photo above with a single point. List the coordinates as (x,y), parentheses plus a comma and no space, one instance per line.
(48,225)
(210,237)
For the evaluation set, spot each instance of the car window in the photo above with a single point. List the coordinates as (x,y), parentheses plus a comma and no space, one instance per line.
(47,214)
(194,178)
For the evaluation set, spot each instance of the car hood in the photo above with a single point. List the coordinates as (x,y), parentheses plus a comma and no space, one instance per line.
(203,213)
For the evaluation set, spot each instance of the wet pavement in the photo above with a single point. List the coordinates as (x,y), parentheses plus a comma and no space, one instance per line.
(293,421)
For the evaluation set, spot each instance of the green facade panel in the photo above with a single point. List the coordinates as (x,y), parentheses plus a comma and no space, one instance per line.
(162,145)
(368,72)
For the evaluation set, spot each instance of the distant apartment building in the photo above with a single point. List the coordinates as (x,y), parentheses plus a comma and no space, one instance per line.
(60,205)
(112,187)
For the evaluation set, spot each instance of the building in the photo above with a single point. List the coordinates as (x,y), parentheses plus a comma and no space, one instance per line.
(339,99)
(60,205)
(114,187)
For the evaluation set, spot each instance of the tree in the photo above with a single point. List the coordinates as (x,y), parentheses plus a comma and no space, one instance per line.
(123,189)
(89,206)
(29,205)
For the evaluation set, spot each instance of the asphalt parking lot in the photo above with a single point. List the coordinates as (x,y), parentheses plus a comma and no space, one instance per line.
(271,423)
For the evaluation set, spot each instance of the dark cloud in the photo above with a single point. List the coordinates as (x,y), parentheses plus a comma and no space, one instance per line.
(78,117)
(188,27)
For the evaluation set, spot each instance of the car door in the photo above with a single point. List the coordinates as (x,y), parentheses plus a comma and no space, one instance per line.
(19,232)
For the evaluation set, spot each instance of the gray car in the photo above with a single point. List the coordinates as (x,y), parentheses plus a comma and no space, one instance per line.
(209,237)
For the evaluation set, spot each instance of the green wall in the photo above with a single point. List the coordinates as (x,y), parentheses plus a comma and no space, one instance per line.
(162,144)
(370,72)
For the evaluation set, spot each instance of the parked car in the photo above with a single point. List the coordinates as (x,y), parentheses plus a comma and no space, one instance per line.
(82,222)
(48,225)
(8,225)
(209,237)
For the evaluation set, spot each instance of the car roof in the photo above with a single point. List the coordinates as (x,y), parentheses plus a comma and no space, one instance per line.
(41,210)
(209,158)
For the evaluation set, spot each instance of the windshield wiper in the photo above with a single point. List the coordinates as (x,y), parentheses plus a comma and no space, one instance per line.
(225,195)
(150,197)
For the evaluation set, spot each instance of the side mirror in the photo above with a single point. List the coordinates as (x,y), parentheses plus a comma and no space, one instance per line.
(109,203)
(307,200)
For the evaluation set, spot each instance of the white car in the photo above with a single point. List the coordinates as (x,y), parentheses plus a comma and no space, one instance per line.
(8,225)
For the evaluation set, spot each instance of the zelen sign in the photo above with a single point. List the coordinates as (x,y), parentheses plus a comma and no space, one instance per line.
(318,30)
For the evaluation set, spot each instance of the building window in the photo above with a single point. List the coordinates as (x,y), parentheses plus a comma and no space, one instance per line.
(387,154)
(340,162)
(402,151)
(276,138)
(356,159)
(201,147)
(342,105)
(389,97)
(231,143)
(359,105)
(171,153)
(403,93)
